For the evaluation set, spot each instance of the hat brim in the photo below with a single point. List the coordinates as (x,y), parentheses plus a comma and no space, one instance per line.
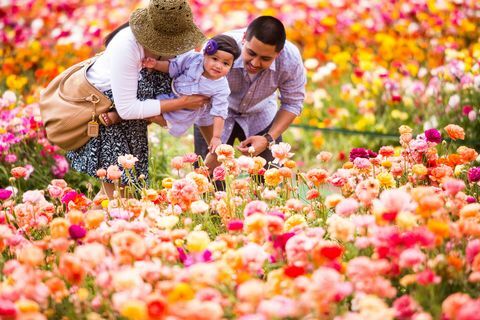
(163,44)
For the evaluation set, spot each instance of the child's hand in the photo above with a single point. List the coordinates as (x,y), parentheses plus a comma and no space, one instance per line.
(149,62)
(214,143)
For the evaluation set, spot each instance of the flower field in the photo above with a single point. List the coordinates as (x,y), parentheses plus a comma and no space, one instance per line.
(342,225)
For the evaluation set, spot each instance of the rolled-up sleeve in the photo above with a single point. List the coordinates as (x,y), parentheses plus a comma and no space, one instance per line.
(125,69)
(179,64)
(292,89)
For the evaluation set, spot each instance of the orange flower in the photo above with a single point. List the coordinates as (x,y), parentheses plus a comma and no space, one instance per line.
(454,159)
(317,176)
(440,173)
(467,154)
(439,228)
(454,260)
(455,132)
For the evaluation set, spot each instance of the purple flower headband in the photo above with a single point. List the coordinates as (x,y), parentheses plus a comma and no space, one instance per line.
(211,47)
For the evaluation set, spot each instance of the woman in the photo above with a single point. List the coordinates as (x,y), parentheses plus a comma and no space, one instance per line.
(161,31)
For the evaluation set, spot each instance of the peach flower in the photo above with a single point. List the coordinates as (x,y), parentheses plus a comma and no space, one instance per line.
(455,132)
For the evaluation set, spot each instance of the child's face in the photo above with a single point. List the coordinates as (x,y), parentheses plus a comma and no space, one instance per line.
(218,64)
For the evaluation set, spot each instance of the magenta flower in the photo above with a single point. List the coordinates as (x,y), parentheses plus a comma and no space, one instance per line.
(235,225)
(474,174)
(359,153)
(433,135)
(5,194)
(76,231)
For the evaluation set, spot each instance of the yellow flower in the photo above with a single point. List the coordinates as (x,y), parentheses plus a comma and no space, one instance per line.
(134,310)
(386,179)
(272,177)
(181,292)
(405,129)
(386,164)
(105,203)
(419,170)
(318,141)
(82,294)
(27,306)
(293,221)
(406,220)
(167,183)
(438,227)
(197,241)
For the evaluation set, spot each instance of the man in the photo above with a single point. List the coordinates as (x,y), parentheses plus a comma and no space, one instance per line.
(268,63)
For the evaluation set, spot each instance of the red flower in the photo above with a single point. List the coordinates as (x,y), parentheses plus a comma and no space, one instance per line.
(331,252)
(293,271)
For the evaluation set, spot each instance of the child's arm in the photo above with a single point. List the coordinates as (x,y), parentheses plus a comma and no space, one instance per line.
(215,141)
(155,64)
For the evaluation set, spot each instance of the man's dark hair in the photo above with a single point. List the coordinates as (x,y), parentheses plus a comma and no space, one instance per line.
(227,44)
(268,30)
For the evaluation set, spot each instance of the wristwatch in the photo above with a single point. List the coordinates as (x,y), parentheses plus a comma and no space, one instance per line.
(270,140)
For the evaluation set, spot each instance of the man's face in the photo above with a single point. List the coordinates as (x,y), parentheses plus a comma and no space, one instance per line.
(257,56)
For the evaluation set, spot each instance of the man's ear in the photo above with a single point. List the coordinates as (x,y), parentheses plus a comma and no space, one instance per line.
(244,38)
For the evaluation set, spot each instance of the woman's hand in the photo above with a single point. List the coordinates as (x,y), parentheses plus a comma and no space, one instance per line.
(149,62)
(160,120)
(194,102)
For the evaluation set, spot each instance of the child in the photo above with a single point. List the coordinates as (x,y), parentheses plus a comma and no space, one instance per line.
(197,73)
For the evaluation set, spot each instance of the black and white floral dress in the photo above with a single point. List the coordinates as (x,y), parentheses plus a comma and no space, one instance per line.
(126,137)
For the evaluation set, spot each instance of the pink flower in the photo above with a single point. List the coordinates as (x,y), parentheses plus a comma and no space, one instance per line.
(419,145)
(55,192)
(362,163)
(472,250)
(469,310)
(324,156)
(347,207)
(190,157)
(10,158)
(114,173)
(255,206)
(7,309)
(101,173)
(405,307)
(219,173)
(5,194)
(453,304)
(177,163)
(127,161)
(60,168)
(453,186)
(235,225)
(427,277)
(410,258)
(281,152)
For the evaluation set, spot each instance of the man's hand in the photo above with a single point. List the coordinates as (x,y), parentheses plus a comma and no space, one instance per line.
(211,162)
(259,144)
(214,143)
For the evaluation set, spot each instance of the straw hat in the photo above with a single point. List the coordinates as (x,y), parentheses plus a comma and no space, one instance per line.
(166,27)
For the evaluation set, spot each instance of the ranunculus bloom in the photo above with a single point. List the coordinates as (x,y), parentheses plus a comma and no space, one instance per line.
(433,135)
(5,194)
(190,157)
(219,173)
(474,174)
(19,172)
(455,132)
(358,153)
(235,225)
(127,161)
(76,231)
(177,163)
(114,173)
